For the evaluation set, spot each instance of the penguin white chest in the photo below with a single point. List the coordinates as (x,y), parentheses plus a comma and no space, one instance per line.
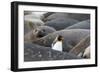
(57,46)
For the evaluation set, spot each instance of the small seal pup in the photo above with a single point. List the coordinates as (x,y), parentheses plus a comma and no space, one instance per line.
(57,43)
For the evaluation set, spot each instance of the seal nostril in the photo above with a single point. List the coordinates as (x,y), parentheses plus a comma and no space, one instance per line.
(40,34)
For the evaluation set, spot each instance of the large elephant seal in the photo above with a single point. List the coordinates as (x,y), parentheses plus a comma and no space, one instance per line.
(71,38)
(34,52)
(38,32)
(61,23)
(77,16)
(80,25)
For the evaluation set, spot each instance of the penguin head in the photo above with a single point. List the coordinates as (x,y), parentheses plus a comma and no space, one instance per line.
(60,38)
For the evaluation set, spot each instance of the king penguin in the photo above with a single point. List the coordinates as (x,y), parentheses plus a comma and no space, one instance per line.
(57,43)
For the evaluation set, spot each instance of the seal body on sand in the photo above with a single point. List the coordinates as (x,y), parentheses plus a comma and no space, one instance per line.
(61,23)
(34,52)
(80,25)
(71,38)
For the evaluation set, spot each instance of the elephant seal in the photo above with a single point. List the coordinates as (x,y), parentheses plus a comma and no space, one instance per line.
(80,25)
(56,15)
(61,23)
(39,32)
(71,38)
(34,52)
(76,16)
(45,29)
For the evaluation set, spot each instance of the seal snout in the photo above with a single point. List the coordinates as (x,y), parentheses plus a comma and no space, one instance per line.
(41,33)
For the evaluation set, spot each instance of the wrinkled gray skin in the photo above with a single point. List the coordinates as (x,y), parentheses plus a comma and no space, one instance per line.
(80,25)
(71,38)
(61,23)
(33,52)
(76,16)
